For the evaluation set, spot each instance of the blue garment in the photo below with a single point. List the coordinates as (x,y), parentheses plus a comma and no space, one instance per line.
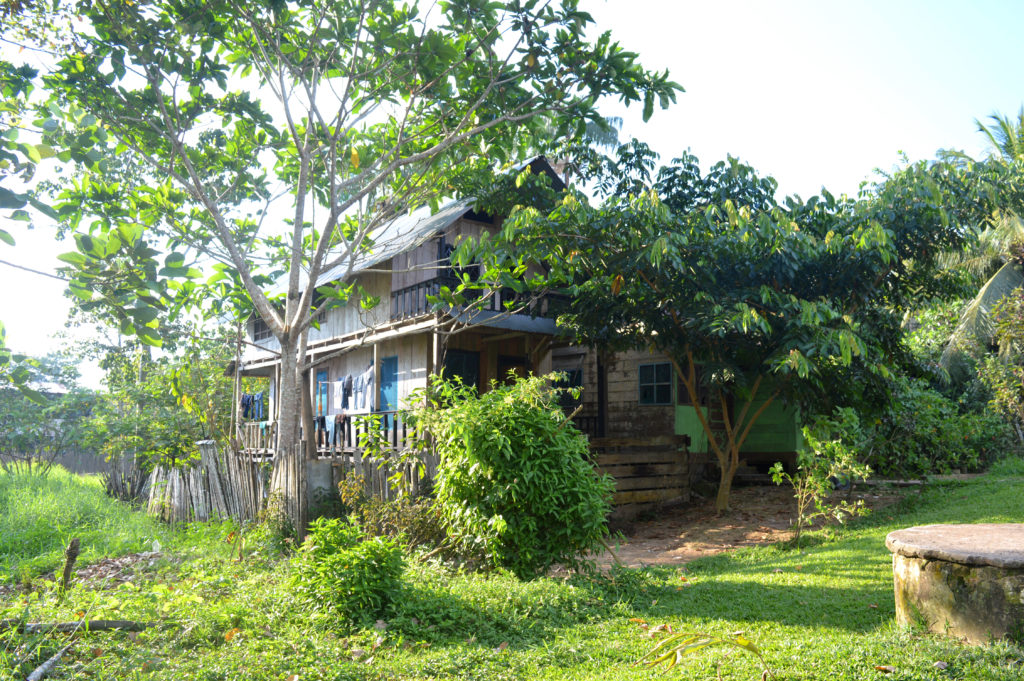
(330,432)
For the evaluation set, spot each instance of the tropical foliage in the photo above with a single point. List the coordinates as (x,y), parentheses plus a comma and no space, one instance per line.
(515,485)
(797,301)
(273,139)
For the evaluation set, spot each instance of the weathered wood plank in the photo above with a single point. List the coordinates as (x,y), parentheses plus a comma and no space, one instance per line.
(651,442)
(659,482)
(648,496)
(644,470)
(619,459)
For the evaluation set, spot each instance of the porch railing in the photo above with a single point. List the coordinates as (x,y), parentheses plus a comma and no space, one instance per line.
(257,440)
(345,446)
(412,301)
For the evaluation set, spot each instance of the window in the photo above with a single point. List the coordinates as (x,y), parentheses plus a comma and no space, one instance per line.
(655,383)
(260,331)
(465,365)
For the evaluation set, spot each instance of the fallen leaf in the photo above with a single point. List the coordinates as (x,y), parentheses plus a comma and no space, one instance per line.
(885,668)
(799,567)
(501,646)
(873,605)
(777,570)
(97,652)
(231,633)
(683,578)
(357,653)
(659,627)
(292,677)
(939,664)
(637,620)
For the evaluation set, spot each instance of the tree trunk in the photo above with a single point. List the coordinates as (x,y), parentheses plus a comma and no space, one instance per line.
(725,482)
(286,483)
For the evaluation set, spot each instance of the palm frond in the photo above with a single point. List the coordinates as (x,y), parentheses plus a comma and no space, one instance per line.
(1005,135)
(976,321)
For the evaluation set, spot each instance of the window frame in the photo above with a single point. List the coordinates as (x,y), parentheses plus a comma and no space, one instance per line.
(654,384)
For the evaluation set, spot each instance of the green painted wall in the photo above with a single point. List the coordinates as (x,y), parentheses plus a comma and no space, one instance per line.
(776,430)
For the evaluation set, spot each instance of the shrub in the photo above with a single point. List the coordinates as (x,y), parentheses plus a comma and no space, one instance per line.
(827,458)
(515,485)
(413,521)
(924,433)
(340,573)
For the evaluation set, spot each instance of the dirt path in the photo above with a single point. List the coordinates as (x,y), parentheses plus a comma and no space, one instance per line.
(760,515)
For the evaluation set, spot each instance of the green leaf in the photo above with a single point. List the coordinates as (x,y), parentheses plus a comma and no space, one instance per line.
(9,199)
(6,237)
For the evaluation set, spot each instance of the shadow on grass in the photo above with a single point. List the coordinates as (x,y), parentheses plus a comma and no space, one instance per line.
(801,605)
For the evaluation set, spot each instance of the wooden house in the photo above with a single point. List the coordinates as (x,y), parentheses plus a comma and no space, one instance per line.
(386,353)
(637,419)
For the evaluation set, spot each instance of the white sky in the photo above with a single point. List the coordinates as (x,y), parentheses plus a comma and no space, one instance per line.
(814,93)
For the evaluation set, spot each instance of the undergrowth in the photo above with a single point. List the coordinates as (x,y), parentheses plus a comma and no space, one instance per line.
(40,514)
(822,611)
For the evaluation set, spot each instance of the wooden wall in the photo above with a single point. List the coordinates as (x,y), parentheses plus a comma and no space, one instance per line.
(647,471)
(626,417)
(421,264)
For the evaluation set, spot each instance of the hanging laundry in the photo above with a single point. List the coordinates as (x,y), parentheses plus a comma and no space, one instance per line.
(368,389)
(337,391)
(346,392)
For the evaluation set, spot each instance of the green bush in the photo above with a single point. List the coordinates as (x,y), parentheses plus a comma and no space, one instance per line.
(340,573)
(515,484)
(412,521)
(826,458)
(924,433)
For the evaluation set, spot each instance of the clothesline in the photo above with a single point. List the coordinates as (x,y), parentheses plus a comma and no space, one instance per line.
(352,394)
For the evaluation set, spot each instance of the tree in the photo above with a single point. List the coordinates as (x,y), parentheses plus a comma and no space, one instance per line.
(797,301)
(998,255)
(276,137)
(18,160)
(46,424)
(156,408)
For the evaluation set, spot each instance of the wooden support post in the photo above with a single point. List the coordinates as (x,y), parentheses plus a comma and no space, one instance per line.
(375,396)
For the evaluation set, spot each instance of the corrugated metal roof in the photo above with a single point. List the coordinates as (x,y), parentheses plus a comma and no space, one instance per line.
(400,235)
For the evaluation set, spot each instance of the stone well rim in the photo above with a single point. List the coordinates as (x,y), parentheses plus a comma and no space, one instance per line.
(995,544)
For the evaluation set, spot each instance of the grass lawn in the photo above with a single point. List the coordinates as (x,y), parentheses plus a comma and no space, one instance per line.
(822,612)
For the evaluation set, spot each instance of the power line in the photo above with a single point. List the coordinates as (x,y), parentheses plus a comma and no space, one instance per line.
(29,269)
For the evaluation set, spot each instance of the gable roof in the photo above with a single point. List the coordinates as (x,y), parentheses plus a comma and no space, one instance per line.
(407,232)
(401,235)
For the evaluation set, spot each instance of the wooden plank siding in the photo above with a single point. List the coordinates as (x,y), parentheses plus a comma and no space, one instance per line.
(646,470)
(625,416)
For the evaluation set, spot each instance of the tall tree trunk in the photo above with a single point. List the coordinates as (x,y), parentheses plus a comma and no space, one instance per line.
(286,485)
